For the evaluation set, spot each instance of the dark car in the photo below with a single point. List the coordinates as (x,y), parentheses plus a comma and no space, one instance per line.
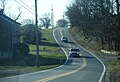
(74,49)
(64,39)
(118,57)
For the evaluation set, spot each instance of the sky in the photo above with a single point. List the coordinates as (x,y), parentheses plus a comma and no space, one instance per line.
(44,6)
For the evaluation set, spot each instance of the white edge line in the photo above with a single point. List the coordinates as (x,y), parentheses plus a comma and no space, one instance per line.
(104,68)
(60,47)
(61,32)
(43,70)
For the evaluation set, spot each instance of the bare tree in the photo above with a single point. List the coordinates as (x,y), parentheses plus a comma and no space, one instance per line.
(19,15)
(27,21)
(98,19)
(3,3)
(117,2)
(45,20)
(62,23)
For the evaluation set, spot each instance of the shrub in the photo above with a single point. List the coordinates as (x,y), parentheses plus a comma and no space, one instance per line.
(20,49)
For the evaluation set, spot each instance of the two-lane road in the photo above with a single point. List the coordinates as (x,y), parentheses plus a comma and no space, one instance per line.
(87,68)
(92,72)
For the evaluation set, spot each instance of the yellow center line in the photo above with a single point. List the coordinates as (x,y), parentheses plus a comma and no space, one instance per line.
(64,74)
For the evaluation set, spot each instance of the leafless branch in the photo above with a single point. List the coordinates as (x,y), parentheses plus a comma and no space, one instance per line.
(20,12)
(3,4)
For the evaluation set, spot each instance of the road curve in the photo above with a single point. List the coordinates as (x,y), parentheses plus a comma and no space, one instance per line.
(94,69)
(86,68)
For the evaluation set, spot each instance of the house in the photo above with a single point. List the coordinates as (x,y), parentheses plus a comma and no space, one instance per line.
(9,35)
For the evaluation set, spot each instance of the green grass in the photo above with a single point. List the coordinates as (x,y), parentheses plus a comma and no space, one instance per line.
(47,33)
(17,70)
(49,57)
(28,68)
(52,51)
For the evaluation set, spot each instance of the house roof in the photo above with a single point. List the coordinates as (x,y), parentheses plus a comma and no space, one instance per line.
(8,19)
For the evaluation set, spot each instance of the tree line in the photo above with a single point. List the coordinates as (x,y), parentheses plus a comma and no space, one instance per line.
(99,19)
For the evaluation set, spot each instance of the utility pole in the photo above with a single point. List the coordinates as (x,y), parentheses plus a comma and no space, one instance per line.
(37,42)
(52,16)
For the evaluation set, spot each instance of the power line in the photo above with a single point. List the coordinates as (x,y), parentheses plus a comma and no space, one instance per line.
(26,5)
(23,6)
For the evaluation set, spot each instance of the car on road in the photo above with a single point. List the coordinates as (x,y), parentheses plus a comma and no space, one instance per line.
(118,56)
(74,52)
(64,39)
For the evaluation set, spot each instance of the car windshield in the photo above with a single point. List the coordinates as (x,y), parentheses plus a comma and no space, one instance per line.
(64,37)
(74,49)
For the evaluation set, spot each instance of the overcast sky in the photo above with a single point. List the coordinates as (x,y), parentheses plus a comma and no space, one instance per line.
(44,6)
